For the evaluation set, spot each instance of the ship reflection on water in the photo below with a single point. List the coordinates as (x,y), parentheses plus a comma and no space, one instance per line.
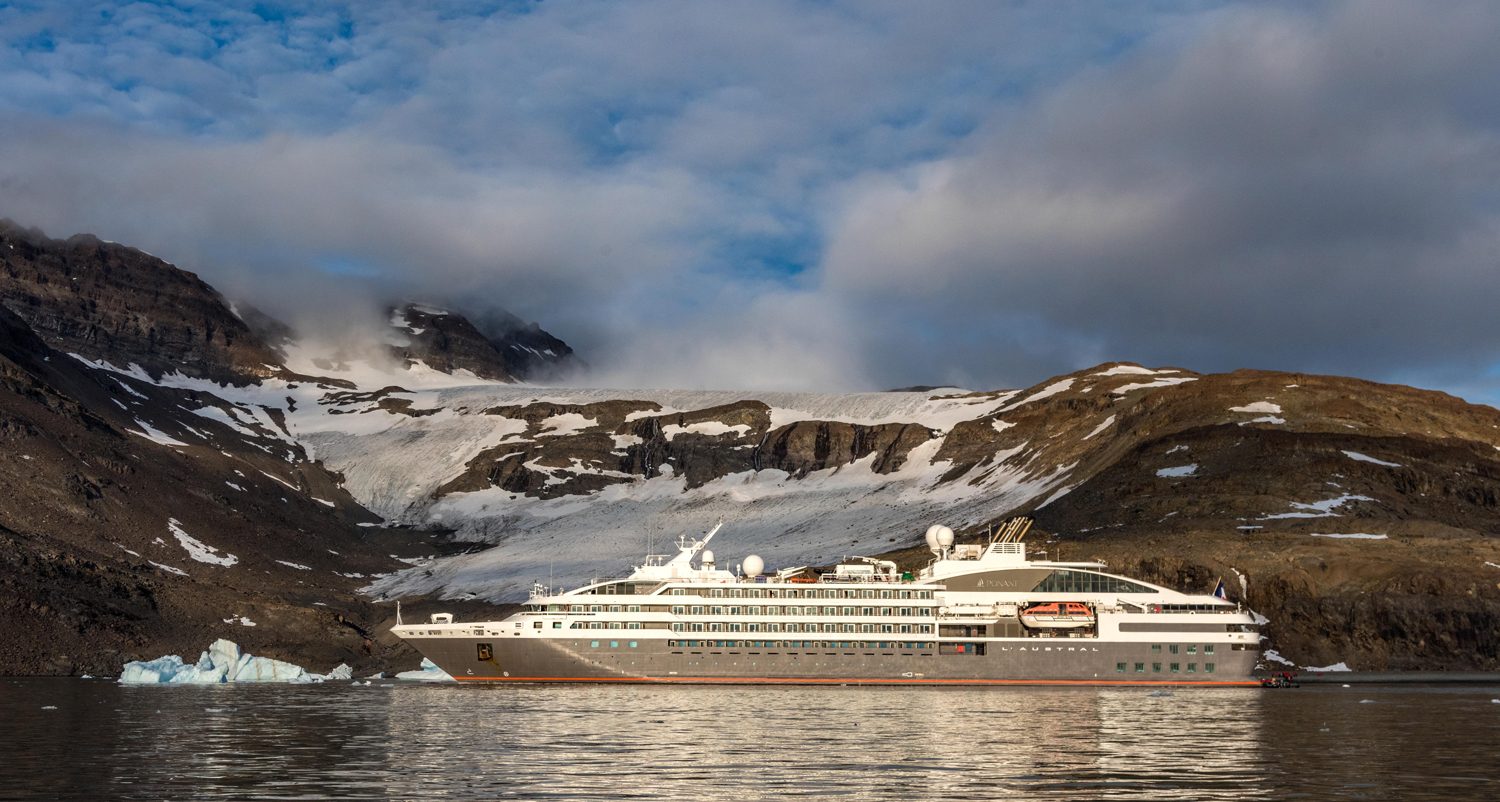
(402,741)
(857,743)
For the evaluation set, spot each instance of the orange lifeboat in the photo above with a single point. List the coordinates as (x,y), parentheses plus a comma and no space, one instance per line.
(1058,615)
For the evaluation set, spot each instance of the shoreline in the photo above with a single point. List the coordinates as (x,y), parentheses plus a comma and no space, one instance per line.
(1398,677)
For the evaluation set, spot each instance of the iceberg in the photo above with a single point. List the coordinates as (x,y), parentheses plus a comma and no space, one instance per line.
(222,663)
(429,672)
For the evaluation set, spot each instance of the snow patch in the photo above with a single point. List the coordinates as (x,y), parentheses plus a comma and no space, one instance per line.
(1001,425)
(1317,509)
(566,423)
(154,435)
(131,390)
(1132,370)
(1108,422)
(298,566)
(1340,666)
(169,569)
(624,441)
(197,549)
(1352,536)
(1355,455)
(1272,419)
(1046,392)
(1163,382)
(243,620)
(289,485)
(1178,471)
(710,428)
(1258,406)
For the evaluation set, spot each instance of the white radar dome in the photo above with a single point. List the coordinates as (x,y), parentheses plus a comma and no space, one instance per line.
(944,536)
(753,565)
(708,557)
(932,542)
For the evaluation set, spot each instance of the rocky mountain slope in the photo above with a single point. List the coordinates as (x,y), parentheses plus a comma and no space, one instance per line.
(1359,518)
(154,506)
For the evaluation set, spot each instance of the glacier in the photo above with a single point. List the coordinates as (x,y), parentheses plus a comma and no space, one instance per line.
(394,464)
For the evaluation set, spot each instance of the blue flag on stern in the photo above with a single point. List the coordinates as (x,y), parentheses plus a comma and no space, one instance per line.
(1220,591)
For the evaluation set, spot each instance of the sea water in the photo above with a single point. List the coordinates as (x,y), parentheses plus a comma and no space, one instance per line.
(93,739)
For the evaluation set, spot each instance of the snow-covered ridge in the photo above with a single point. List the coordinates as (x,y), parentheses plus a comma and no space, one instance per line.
(408,442)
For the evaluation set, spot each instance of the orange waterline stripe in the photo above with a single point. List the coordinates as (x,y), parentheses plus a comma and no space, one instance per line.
(865,681)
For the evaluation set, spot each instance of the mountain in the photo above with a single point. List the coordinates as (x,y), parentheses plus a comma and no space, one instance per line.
(107,301)
(1360,519)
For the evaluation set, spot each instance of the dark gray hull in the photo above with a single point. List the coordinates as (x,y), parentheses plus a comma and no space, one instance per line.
(1031,661)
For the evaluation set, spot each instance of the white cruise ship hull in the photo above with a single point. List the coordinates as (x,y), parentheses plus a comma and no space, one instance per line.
(623,657)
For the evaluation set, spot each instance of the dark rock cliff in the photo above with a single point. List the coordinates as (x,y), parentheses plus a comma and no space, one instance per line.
(110,302)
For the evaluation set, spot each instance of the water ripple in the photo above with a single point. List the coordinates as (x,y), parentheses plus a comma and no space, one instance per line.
(422,742)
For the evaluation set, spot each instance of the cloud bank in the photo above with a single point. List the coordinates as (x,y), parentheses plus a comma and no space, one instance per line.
(805,195)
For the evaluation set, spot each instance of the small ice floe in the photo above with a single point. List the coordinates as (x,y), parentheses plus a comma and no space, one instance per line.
(222,663)
(1367,701)
(1495,701)
(1346,685)
(429,672)
(49,707)
(1160,692)
(87,676)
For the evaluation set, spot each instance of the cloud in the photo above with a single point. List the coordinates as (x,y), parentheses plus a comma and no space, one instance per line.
(801,195)
(1254,187)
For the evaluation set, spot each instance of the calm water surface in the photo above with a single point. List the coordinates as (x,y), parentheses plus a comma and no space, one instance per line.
(409,741)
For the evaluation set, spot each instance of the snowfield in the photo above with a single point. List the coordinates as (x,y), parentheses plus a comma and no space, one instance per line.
(405,431)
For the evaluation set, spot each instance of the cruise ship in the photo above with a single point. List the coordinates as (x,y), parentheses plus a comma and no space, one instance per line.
(978,614)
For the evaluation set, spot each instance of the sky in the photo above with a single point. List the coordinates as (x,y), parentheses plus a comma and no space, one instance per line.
(803,195)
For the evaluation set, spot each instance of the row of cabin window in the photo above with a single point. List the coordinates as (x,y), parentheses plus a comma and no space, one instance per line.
(905,629)
(806,593)
(698,626)
(769,609)
(867,612)
(797,644)
(1192,648)
(1174,668)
